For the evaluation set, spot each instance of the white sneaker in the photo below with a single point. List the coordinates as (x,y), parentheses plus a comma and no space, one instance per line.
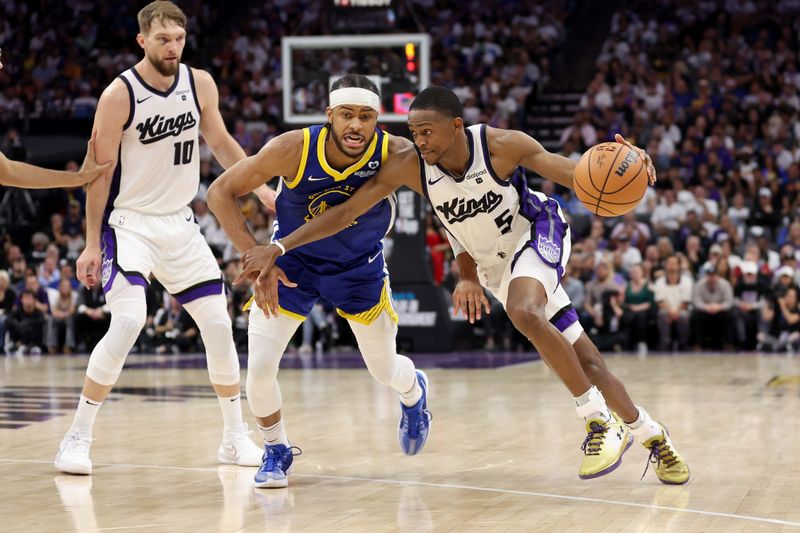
(236,448)
(73,453)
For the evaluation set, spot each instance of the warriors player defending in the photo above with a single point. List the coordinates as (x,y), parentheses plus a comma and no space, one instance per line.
(323,166)
(513,241)
(138,223)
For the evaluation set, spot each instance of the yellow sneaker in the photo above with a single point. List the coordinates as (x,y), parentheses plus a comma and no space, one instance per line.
(670,467)
(606,441)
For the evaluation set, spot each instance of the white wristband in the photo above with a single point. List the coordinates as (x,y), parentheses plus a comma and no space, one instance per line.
(279,245)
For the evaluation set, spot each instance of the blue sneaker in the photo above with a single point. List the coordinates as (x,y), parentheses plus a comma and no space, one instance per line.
(275,465)
(415,421)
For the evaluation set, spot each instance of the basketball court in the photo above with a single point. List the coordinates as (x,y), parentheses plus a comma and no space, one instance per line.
(503,453)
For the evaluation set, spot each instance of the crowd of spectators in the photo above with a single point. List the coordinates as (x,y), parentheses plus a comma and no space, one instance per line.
(709,259)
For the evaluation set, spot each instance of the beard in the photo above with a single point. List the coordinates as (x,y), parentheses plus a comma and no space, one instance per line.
(164,68)
(349,151)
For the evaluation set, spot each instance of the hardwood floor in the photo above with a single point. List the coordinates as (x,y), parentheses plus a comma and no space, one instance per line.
(503,454)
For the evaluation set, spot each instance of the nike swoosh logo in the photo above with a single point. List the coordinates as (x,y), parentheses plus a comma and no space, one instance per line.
(312,178)
(143,99)
(90,403)
(436,181)
(189,219)
(374,257)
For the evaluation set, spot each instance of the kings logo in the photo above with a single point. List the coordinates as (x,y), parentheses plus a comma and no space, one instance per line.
(548,250)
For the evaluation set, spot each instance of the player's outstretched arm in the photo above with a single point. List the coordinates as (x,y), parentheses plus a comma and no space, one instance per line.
(511,148)
(222,144)
(23,175)
(113,110)
(514,148)
(279,157)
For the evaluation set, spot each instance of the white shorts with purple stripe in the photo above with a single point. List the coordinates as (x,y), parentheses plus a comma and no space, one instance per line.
(528,263)
(170,247)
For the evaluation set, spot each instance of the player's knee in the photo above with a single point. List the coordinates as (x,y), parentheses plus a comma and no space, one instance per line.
(108,357)
(263,358)
(122,333)
(221,356)
(528,319)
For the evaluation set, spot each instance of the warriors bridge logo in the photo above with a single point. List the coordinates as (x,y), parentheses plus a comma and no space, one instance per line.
(158,127)
(320,202)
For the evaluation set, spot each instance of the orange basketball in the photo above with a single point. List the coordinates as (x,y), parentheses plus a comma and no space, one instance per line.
(610,179)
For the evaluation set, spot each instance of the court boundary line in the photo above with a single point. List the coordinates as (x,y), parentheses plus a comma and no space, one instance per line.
(586,499)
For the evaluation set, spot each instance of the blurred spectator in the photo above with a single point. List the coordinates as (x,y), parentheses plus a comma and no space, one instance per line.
(629,256)
(42,299)
(49,275)
(783,281)
(7,299)
(39,243)
(573,287)
(638,232)
(712,317)
(175,330)
(437,247)
(26,327)
(61,323)
(783,324)
(668,215)
(93,317)
(639,306)
(750,293)
(316,322)
(603,305)
(18,271)
(673,295)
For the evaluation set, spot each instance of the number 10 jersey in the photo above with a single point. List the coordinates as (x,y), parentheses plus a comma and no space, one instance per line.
(158,170)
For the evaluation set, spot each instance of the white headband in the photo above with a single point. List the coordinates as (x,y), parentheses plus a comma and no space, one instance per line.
(355,96)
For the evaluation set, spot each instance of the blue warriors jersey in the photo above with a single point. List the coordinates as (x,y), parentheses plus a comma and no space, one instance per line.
(317,187)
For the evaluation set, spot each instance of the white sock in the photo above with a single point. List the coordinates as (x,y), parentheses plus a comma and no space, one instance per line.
(412,395)
(275,434)
(85,415)
(591,404)
(644,427)
(231,408)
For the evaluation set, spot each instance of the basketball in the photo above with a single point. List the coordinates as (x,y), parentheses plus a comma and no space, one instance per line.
(610,179)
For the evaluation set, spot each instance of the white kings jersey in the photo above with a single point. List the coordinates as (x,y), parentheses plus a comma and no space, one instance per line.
(158,171)
(488,215)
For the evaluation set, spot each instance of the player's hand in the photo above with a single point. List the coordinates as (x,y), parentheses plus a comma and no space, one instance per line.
(88,266)
(266,290)
(651,170)
(468,297)
(91,169)
(256,260)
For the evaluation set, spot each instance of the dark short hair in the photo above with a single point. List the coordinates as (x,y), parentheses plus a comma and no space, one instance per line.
(355,80)
(440,99)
